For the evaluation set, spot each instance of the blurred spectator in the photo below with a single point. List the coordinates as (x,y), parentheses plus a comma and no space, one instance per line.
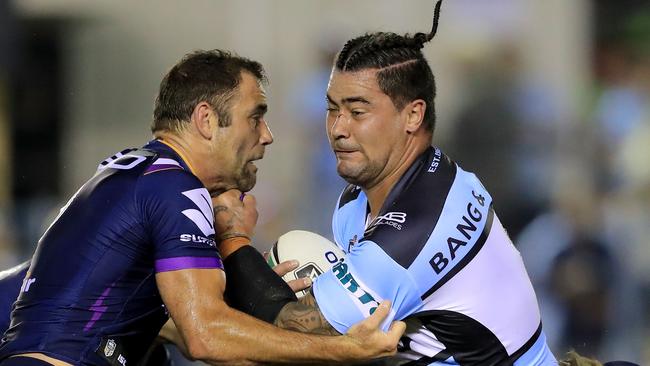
(505,132)
(324,184)
(582,279)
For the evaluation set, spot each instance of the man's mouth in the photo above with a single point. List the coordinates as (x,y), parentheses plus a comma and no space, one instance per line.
(344,152)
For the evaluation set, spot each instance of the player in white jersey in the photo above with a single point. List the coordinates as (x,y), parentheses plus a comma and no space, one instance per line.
(417,229)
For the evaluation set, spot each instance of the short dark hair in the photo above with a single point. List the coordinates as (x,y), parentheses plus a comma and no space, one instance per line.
(201,76)
(403,72)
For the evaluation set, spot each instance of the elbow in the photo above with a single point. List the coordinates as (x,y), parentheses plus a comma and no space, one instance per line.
(198,350)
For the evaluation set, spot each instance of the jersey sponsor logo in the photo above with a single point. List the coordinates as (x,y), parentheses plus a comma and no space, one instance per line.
(362,297)
(202,217)
(435,163)
(466,230)
(394,219)
(198,239)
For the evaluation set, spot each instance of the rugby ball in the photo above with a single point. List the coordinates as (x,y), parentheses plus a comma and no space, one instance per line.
(314,253)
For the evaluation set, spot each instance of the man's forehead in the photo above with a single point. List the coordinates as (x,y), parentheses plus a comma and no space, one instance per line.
(250,93)
(344,84)
(251,85)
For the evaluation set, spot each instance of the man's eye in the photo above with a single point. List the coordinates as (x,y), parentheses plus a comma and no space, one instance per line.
(331,109)
(357,113)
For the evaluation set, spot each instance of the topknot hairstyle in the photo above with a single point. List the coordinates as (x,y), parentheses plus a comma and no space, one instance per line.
(403,72)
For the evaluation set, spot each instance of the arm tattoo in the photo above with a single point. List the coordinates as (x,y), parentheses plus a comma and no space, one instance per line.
(227,232)
(304,316)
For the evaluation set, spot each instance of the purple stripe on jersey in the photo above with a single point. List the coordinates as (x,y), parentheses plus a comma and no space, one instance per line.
(174,264)
(98,308)
(158,167)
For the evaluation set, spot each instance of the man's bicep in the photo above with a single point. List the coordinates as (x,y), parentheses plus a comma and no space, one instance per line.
(304,316)
(191,295)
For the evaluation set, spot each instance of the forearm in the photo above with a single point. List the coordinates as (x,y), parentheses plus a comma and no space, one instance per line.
(215,333)
(233,337)
(304,316)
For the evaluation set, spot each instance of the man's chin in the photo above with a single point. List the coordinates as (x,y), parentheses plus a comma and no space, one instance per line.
(247,183)
(348,176)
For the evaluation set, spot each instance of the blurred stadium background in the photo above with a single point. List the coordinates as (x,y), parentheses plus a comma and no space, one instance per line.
(546,100)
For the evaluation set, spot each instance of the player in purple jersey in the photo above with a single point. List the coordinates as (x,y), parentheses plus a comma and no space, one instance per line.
(11,282)
(137,243)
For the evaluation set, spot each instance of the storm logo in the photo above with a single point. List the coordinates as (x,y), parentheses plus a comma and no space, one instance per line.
(203,216)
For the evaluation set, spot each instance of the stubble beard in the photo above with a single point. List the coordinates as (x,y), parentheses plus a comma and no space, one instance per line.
(359,176)
(246,179)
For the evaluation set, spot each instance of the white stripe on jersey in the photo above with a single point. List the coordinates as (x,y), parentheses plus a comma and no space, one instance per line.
(166,161)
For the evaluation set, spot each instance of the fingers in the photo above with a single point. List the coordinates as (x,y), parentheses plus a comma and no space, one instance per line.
(382,311)
(228,198)
(288,266)
(285,267)
(299,284)
(248,199)
(234,217)
(396,330)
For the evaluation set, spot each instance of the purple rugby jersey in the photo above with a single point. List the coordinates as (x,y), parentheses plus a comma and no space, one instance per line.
(90,296)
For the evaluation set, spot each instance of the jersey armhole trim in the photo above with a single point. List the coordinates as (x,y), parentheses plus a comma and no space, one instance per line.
(179,263)
(528,345)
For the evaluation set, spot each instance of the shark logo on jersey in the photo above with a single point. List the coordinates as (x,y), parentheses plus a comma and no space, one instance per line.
(352,242)
(203,216)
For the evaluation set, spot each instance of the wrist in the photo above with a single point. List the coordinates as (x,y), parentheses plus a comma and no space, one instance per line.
(231,244)
(347,349)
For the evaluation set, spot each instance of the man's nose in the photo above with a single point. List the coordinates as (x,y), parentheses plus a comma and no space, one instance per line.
(266,137)
(340,126)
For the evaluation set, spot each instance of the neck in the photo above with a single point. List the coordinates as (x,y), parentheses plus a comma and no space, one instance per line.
(197,159)
(378,193)
(181,147)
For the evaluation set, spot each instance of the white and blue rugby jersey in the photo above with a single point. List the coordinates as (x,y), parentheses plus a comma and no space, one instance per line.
(438,252)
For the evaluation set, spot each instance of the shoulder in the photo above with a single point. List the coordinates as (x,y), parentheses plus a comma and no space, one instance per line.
(165,176)
(414,207)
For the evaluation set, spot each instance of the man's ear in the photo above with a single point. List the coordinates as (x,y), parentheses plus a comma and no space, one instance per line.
(414,115)
(201,116)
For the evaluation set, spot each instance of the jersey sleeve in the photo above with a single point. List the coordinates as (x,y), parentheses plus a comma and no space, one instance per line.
(178,212)
(354,287)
